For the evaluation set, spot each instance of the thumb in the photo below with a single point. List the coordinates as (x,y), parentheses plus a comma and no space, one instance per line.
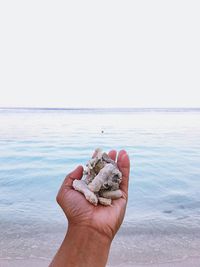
(67,183)
(75,174)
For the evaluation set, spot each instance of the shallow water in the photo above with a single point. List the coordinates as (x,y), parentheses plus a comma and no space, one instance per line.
(39,147)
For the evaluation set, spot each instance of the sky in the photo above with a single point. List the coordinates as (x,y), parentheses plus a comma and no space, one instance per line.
(100,53)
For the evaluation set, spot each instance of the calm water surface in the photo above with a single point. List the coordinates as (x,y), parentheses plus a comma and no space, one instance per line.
(39,147)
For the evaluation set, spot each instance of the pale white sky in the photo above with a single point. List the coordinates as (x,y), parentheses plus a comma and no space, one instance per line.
(100,53)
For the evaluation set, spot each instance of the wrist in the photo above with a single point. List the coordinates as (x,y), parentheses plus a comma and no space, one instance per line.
(87,246)
(88,231)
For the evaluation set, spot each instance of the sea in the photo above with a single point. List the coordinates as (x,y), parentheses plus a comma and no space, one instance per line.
(39,146)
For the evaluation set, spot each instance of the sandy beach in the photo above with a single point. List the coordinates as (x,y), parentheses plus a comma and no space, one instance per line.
(192,262)
(132,247)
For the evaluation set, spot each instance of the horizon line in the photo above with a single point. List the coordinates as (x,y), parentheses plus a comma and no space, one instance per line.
(99,108)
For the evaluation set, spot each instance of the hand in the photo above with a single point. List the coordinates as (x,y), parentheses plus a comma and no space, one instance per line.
(90,228)
(104,220)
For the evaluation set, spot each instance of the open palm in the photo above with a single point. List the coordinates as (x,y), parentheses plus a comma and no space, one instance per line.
(78,210)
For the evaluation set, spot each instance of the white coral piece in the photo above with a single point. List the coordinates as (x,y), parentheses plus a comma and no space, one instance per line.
(101,180)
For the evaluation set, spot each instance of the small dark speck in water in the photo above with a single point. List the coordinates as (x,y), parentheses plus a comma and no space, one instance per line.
(168,211)
(102,131)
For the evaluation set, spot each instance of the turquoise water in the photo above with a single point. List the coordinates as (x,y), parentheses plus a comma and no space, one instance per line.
(39,147)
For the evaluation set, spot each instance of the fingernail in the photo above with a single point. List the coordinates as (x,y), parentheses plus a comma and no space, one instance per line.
(124,155)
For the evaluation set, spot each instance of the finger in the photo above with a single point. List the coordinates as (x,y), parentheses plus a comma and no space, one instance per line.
(123,164)
(112,154)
